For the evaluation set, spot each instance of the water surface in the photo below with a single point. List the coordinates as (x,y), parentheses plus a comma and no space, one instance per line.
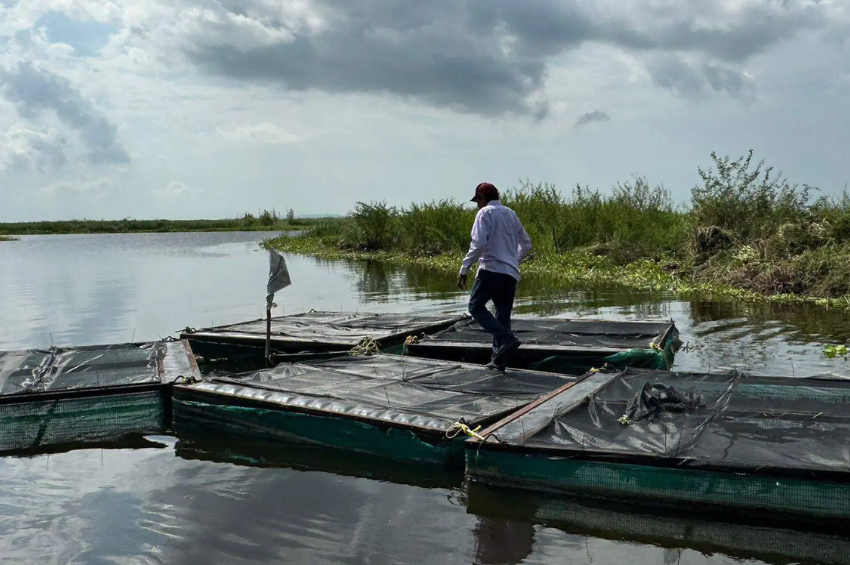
(213,500)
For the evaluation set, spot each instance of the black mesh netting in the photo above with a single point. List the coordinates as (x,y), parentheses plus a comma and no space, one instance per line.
(655,398)
(399,389)
(696,420)
(34,425)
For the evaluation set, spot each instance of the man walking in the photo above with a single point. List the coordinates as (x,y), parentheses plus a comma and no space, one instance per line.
(500,243)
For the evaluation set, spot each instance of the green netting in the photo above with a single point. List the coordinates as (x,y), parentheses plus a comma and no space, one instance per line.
(37,424)
(338,433)
(658,359)
(662,485)
(655,357)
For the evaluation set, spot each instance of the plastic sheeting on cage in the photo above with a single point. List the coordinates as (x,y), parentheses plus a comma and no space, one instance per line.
(316,331)
(721,421)
(85,395)
(399,390)
(563,346)
(74,368)
(589,334)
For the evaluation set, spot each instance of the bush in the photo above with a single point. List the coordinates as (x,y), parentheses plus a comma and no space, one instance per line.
(636,220)
(750,204)
(435,228)
(375,222)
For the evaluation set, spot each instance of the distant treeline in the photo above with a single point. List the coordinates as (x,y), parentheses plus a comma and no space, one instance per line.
(265,220)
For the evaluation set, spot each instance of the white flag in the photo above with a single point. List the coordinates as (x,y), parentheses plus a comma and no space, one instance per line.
(278,276)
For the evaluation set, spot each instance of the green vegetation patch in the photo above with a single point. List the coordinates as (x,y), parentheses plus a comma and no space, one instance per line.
(746,233)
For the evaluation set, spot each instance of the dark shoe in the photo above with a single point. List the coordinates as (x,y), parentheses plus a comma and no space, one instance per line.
(494,367)
(505,351)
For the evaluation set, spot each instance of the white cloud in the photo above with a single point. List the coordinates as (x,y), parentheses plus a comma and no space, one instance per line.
(97,186)
(175,189)
(260,133)
(22,147)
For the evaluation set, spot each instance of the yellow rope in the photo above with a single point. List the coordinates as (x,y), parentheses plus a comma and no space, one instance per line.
(367,346)
(411,339)
(459,427)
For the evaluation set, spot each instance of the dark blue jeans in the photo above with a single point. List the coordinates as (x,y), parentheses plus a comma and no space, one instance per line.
(501,289)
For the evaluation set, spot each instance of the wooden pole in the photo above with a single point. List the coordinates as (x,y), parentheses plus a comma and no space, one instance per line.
(268,338)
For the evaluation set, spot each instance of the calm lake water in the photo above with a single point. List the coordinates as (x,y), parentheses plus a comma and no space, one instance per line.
(211,500)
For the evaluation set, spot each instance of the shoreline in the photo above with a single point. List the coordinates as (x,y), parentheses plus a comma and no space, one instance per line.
(69,227)
(576,266)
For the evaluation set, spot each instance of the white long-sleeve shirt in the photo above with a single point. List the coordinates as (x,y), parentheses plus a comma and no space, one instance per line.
(499,241)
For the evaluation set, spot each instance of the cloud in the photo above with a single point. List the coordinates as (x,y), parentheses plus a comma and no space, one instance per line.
(487,58)
(696,79)
(34,90)
(592,117)
(85,184)
(728,30)
(260,133)
(21,147)
(175,189)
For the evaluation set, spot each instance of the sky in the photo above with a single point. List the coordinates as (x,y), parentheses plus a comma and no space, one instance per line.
(210,109)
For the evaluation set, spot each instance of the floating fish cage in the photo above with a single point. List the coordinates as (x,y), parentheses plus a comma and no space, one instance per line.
(62,396)
(716,442)
(314,333)
(396,406)
(562,346)
(709,441)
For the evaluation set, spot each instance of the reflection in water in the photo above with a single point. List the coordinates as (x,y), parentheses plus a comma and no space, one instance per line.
(209,500)
(675,533)
(502,541)
(216,499)
(250,452)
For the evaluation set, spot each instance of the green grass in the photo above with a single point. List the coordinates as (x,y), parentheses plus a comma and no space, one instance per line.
(265,221)
(747,233)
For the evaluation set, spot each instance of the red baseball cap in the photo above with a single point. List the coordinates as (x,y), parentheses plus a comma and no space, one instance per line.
(485,189)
